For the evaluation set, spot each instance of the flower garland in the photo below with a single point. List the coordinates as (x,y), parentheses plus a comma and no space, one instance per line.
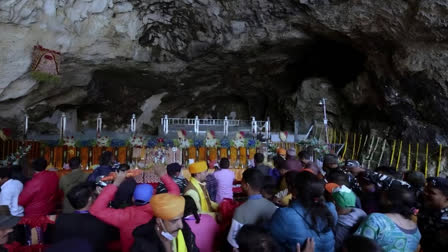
(14,158)
(103,141)
(136,142)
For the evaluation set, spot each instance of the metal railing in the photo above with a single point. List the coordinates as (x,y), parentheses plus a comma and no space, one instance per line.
(254,125)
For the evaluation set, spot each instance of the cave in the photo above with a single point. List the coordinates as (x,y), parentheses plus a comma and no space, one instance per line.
(381,66)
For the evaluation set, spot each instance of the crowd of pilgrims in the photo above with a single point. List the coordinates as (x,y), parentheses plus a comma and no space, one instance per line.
(293,205)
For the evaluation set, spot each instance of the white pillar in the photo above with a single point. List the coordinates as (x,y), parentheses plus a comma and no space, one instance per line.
(63,125)
(99,125)
(254,126)
(226,126)
(165,124)
(268,129)
(133,124)
(25,130)
(196,125)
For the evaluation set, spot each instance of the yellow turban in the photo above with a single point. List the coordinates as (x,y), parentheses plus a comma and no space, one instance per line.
(167,206)
(197,167)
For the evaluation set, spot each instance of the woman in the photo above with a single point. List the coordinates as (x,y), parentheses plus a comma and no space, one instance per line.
(203,226)
(308,216)
(394,230)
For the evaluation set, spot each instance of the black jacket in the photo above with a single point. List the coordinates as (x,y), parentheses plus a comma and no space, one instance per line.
(84,226)
(146,238)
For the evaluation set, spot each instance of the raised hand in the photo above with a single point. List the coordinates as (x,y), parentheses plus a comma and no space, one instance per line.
(121,176)
(160,170)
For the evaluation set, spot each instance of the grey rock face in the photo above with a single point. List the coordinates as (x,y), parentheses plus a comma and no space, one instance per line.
(382,64)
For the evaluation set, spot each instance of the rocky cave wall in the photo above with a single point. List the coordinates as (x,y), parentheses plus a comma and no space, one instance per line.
(382,64)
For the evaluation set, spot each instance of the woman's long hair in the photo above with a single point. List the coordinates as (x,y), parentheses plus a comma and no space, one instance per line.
(310,194)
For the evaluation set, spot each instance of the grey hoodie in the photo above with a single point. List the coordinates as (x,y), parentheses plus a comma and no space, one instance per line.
(346,225)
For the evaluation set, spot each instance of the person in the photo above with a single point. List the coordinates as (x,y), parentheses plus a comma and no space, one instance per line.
(358,243)
(417,181)
(308,216)
(275,172)
(349,217)
(106,162)
(71,245)
(167,231)
(7,223)
(253,238)
(174,170)
(304,158)
(255,210)
(10,191)
(212,186)
(281,153)
(330,162)
(197,189)
(203,226)
(127,219)
(389,171)
(314,169)
(381,181)
(259,159)
(224,178)
(433,218)
(292,163)
(40,194)
(283,197)
(123,196)
(17,174)
(67,182)
(394,230)
(80,223)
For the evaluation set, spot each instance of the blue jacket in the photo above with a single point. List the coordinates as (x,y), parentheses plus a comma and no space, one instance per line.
(289,227)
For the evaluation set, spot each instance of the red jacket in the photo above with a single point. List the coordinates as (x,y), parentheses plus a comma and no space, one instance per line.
(39,195)
(129,218)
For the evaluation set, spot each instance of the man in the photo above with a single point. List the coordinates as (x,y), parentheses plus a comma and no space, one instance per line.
(40,194)
(281,153)
(331,162)
(304,158)
(211,184)
(292,163)
(174,171)
(197,189)
(7,223)
(433,219)
(256,210)
(106,162)
(67,182)
(10,191)
(123,196)
(80,223)
(259,159)
(129,218)
(224,177)
(167,231)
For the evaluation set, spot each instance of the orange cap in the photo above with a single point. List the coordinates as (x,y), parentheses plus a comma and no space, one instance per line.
(330,187)
(281,151)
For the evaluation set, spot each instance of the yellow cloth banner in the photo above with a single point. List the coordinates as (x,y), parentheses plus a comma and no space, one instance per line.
(204,205)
